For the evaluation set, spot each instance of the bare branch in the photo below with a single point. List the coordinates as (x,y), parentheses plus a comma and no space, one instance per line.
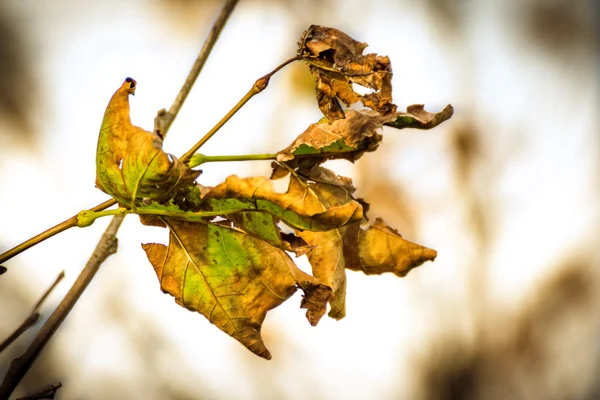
(33,317)
(163,119)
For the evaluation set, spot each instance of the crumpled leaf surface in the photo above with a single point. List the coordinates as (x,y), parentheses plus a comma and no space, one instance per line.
(231,278)
(327,257)
(130,162)
(345,138)
(374,250)
(379,249)
(337,61)
(298,207)
(351,137)
(416,117)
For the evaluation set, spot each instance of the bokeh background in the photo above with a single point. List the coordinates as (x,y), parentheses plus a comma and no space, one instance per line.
(507,191)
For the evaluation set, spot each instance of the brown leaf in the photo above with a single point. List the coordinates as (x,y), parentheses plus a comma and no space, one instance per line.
(374,250)
(327,258)
(347,138)
(337,62)
(130,162)
(351,137)
(416,117)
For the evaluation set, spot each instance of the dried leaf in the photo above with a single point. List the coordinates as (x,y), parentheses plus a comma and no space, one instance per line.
(347,138)
(130,162)
(298,207)
(351,137)
(337,62)
(380,249)
(416,117)
(231,278)
(327,258)
(374,250)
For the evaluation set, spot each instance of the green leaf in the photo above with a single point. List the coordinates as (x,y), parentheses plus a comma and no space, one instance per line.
(231,278)
(130,162)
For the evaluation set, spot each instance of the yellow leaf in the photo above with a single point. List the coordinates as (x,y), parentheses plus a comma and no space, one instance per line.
(130,162)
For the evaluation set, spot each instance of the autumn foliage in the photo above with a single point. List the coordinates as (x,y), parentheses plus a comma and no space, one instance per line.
(228,255)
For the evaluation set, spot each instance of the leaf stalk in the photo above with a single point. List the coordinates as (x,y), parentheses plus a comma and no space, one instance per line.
(198,158)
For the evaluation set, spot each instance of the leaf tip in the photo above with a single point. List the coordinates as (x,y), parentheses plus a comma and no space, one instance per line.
(2,269)
(129,85)
(315,299)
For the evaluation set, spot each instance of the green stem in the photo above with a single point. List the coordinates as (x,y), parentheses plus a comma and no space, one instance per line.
(87,217)
(199,158)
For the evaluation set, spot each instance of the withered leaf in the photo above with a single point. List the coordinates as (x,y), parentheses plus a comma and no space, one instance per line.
(231,278)
(130,162)
(379,249)
(374,250)
(351,137)
(327,257)
(298,207)
(347,138)
(416,117)
(337,61)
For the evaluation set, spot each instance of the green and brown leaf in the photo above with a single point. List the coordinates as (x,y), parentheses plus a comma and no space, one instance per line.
(231,278)
(351,137)
(298,207)
(130,162)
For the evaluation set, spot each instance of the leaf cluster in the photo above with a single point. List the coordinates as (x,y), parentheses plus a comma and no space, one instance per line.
(228,255)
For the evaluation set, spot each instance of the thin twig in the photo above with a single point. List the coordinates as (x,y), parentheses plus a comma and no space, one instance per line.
(209,43)
(47,392)
(20,365)
(33,317)
(48,291)
(260,85)
(28,323)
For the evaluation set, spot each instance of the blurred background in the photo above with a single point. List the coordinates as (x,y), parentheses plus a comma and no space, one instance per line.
(507,192)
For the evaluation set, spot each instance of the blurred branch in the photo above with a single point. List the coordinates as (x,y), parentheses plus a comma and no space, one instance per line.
(33,317)
(164,120)
(47,392)
(20,365)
